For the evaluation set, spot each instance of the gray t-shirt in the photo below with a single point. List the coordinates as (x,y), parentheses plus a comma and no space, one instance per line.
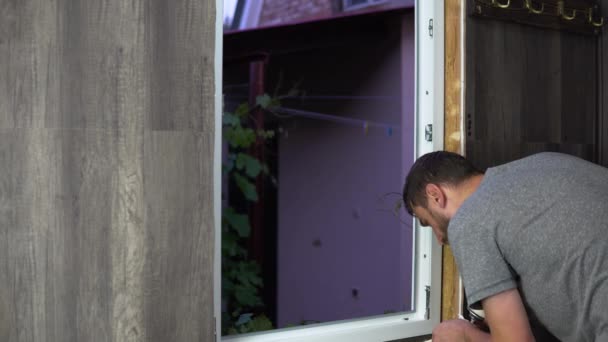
(540,224)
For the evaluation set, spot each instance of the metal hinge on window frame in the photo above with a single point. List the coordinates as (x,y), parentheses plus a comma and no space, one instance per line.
(215,328)
(427,312)
(428,132)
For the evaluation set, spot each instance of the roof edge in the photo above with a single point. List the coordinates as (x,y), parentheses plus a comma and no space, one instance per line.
(323,19)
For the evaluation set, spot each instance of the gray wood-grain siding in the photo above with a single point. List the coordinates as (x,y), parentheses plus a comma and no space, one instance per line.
(529,90)
(106,170)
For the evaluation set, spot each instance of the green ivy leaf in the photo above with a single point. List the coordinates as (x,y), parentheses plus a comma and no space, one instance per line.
(263,101)
(260,323)
(248,138)
(242,110)
(243,329)
(240,222)
(247,296)
(269,134)
(252,165)
(229,134)
(248,274)
(236,313)
(227,285)
(265,134)
(247,187)
(239,136)
(231,246)
(230,119)
(241,280)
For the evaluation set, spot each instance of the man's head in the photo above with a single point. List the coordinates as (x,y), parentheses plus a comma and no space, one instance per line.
(433,189)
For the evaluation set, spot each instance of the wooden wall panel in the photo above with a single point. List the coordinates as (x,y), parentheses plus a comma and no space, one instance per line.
(177,270)
(603,91)
(450,293)
(529,90)
(106,160)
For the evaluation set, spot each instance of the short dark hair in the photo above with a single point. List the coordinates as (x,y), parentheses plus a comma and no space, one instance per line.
(439,167)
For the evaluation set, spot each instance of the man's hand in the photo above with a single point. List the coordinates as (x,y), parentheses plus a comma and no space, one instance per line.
(458,330)
(507,318)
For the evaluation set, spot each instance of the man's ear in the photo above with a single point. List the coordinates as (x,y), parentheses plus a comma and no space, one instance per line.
(435,195)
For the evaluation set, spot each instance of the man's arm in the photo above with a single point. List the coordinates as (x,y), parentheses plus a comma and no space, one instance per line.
(506,317)
(459,330)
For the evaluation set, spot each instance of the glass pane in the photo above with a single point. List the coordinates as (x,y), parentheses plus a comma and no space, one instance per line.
(326,239)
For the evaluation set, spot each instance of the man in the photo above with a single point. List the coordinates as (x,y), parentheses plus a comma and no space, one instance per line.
(530,239)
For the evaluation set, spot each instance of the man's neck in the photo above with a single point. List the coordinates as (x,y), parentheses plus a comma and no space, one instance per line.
(459,194)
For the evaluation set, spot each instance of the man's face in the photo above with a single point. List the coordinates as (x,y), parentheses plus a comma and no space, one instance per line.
(437,221)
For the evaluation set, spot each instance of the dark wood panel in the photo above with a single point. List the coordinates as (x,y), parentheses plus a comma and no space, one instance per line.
(542,85)
(579,88)
(528,87)
(544,14)
(490,153)
(603,92)
(106,226)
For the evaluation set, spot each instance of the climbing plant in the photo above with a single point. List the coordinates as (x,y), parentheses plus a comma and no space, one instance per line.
(242,305)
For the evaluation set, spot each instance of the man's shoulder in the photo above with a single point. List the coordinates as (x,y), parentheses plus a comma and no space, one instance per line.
(547,160)
(473,216)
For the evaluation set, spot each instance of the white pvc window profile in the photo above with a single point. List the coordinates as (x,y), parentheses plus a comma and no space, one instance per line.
(427,252)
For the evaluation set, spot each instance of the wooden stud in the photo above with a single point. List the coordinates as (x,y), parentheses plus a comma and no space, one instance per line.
(452,139)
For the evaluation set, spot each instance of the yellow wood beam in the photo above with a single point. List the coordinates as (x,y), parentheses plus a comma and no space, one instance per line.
(450,295)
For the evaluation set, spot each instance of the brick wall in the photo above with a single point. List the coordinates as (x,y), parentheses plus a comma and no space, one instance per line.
(283,11)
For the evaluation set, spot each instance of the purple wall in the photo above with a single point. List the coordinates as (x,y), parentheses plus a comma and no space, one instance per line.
(335,231)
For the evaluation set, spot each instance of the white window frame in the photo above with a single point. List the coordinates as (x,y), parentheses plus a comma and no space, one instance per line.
(426,294)
(348,7)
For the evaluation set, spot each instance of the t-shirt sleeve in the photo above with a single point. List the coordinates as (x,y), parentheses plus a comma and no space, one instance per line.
(484,270)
